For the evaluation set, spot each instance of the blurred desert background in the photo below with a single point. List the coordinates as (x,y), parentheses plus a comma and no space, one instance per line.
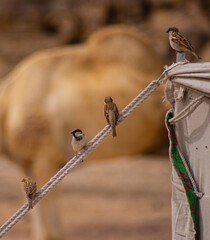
(125,197)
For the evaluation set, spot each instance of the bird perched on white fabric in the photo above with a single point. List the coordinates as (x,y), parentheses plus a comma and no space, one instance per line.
(79,140)
(111,113)
(30,188)
(179,43)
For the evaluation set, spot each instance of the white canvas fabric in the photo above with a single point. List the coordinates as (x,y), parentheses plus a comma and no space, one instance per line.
(188,91)
(182,223)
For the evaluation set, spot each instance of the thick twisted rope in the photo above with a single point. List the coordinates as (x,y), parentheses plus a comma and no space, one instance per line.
(131,107)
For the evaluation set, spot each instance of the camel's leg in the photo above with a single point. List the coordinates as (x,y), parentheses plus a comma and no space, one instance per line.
(46,212)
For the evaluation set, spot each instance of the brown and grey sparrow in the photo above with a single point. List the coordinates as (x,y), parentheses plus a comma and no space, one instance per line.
(30,190)
(79,140)
(111,113)
(179,43)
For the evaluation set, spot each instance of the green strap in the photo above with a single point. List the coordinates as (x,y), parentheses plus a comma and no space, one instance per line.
(180,168)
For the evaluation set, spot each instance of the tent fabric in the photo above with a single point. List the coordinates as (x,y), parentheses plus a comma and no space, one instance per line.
(186,83)
(197,73)
(182,173)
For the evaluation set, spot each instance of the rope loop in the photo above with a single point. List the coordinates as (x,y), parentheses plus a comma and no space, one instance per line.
(185,112)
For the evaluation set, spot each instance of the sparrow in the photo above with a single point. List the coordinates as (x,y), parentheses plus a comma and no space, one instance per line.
(30,188)
(179,43)
(111,114)
(79,140)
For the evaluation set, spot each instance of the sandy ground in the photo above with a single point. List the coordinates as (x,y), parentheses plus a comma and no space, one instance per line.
(122,199)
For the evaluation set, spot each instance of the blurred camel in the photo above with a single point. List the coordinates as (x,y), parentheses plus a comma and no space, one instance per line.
(54,91)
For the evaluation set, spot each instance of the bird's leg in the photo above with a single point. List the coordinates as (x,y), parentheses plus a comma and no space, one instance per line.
(85,148)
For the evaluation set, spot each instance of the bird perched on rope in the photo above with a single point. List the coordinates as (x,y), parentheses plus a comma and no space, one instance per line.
(79,140)
(30,188)
(179,43)
(111,113)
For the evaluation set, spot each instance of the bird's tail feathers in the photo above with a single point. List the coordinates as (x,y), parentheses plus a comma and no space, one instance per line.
(196,55)
(30,204)
(114,133)
(112,122)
